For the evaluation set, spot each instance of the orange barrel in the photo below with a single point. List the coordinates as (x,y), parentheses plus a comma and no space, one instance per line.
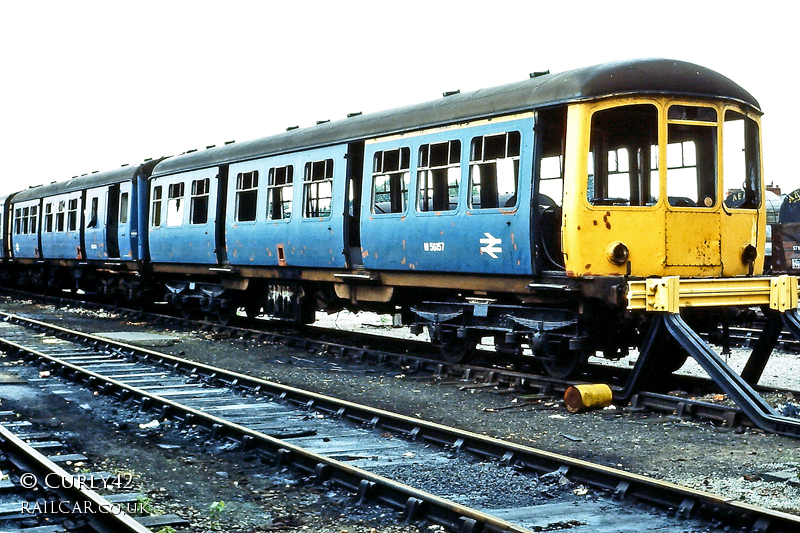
(581,397)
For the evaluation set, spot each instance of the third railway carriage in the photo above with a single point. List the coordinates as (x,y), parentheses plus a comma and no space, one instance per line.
(553,215)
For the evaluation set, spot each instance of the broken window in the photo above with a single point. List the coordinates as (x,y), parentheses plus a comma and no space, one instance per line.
(198,211)
(246,196)
(318,188)
(155,218)
(48,217)
(280,187)
(623,156)
(494,170)
(123,208)
(390,179)
(439,176)
(175,204)
(60,214)
(692,156)
(741,161)
(92,222)
(72,215)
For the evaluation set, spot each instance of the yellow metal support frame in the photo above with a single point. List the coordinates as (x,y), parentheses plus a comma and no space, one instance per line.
(670,294)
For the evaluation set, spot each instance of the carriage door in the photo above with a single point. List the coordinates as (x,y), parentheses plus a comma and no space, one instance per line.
(112,240)
(352,217)
(124,217)
(693,220)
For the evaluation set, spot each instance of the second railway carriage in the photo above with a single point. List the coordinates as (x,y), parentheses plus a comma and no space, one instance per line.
(518,212)
(86,233)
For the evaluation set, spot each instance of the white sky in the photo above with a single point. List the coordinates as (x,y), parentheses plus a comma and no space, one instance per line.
(89,85)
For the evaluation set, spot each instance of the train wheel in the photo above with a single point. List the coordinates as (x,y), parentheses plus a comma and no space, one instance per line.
(252,309)
(457,351)
(561,362)
(224,316)
(564,365)
(667,357)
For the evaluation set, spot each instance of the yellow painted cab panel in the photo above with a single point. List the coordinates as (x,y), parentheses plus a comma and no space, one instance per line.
(691,234)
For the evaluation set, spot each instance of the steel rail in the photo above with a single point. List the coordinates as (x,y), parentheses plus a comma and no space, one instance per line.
(687,409)
(415,503)
(103,516)
(685,502)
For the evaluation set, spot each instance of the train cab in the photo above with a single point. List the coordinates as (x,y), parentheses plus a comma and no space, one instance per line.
(662,186)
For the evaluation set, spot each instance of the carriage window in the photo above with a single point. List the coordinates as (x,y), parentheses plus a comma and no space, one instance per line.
(622,166)
(246,196)
(155,217)
(18,221)
(48,217)
(92,222)
(494,170)
(318,188)
(33,226)
(439,176)
(175,204)
(60,214)
(198,211)
(72,215)
(279,192)
(692,156)
(390,179)
(123,208)
(742,164)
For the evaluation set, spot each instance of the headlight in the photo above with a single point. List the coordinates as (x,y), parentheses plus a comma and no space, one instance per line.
(749,254)
(617,253)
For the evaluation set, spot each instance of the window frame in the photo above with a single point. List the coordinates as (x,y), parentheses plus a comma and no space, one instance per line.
(124,207)
(156,204)
(248,193)
(73,205)
(475,164)
(693,122)
(425,170)
(393,177)
(314,182)
(200,193)
(176,193)
(280,189)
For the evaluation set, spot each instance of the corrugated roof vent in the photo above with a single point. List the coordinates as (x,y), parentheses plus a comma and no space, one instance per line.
(290,128)
(451,93)
(539,73)
(351,115)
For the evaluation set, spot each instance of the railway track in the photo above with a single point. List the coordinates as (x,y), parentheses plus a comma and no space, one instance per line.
(243,410)
(397,352)
(39,494)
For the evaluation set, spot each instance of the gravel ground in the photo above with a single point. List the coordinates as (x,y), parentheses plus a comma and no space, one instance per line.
(730,463)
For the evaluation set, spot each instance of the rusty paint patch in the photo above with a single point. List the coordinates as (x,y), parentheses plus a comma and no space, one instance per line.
(403,261)
(588,266)
(594,222)
(364,253)
(404,244)
(579,228)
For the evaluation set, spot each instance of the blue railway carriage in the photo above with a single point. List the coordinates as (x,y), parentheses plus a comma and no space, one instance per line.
(517,212)
(80,234)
